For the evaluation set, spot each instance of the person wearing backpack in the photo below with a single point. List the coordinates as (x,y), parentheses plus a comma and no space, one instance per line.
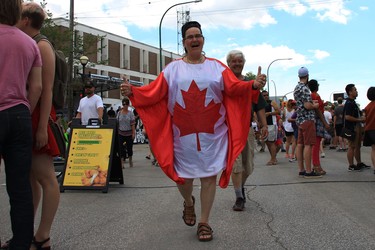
(43,177)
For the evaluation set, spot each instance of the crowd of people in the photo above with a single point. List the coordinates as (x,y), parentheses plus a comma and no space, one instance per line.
(203,119)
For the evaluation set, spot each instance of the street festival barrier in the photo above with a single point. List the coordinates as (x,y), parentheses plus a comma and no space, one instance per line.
(93,157)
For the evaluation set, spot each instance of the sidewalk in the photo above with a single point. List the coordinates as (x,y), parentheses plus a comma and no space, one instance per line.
(283,211)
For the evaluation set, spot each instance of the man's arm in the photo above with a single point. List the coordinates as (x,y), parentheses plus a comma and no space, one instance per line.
(261,114)
(276,109)
(354,119)
(322,118)
(48,76)
(310,106)
(100,113)
(35,87)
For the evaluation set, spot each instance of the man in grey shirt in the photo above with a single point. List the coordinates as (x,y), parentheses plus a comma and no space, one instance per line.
(338,124)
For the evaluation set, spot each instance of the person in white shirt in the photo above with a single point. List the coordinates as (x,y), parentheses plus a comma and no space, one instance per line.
(328,117)
(91,106)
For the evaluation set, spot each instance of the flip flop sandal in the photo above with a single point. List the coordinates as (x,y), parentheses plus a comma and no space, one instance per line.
(204,232)
(188,215)
(271,163)
(39,244)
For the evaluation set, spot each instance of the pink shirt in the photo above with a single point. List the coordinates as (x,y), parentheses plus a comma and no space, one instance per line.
(18,55)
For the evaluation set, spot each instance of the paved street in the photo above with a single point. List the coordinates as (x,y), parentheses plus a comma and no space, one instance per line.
(283,211)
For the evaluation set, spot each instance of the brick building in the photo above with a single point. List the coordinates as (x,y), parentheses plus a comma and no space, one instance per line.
(123,56)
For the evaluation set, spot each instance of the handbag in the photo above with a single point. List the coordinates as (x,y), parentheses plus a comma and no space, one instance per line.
(58,134)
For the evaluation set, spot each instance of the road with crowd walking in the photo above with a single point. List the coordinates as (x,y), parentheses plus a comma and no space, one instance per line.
(283,211)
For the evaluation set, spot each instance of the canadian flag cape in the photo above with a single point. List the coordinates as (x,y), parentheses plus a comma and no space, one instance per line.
(153,104)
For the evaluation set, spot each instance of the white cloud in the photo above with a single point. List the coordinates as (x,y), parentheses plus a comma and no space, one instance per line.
(331,10)
(320,54)
(114,15)
(263,54)
(363,8)
(292,7)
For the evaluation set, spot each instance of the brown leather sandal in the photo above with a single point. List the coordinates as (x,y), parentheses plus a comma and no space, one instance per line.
(319,170)
(39,244)
(204,232)
(188,215)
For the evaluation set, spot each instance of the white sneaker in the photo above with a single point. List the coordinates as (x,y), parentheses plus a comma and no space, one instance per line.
(323,155)
(292,159)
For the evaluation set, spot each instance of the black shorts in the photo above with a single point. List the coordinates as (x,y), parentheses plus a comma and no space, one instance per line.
(369,138)
(289,133)
(338,129)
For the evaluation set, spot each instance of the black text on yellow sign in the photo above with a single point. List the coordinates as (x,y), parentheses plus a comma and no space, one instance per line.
(89,155)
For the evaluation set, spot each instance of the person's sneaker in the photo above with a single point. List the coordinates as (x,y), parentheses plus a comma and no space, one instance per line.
(355,168)
(362,165)
(292,159)
(239,205)
(244,194)
(323,155)
(312,175)
(261,150)
(302,173)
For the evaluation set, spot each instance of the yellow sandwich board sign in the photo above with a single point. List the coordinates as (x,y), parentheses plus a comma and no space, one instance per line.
(90,157)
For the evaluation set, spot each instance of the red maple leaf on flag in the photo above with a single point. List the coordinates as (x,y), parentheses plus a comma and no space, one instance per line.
(195,117)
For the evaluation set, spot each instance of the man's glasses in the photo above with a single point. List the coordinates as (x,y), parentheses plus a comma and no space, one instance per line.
(191,37)
(265,95)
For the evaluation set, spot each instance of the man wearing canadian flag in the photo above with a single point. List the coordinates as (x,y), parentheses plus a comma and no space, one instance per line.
(197,116)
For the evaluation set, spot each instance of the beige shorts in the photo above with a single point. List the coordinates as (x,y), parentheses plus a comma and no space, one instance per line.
(245,161)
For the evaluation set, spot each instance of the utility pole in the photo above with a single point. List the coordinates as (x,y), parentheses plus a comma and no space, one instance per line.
(182,18)
(69,96)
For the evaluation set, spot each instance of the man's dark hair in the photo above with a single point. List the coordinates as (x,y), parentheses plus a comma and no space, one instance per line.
(313,85)
(10,11)
(339,100)
(371,93)
(349,87)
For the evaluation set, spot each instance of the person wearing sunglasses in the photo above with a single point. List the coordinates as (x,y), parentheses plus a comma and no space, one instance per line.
(91,106)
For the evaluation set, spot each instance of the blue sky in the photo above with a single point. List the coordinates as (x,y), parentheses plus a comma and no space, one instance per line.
(334,39)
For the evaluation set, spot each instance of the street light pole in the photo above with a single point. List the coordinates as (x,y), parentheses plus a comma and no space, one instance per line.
(284,96)
(268,77)
(84,60)
(274,85)
(161,20)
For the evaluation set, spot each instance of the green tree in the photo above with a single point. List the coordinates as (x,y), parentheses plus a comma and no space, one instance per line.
(61,37)
(250,75)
